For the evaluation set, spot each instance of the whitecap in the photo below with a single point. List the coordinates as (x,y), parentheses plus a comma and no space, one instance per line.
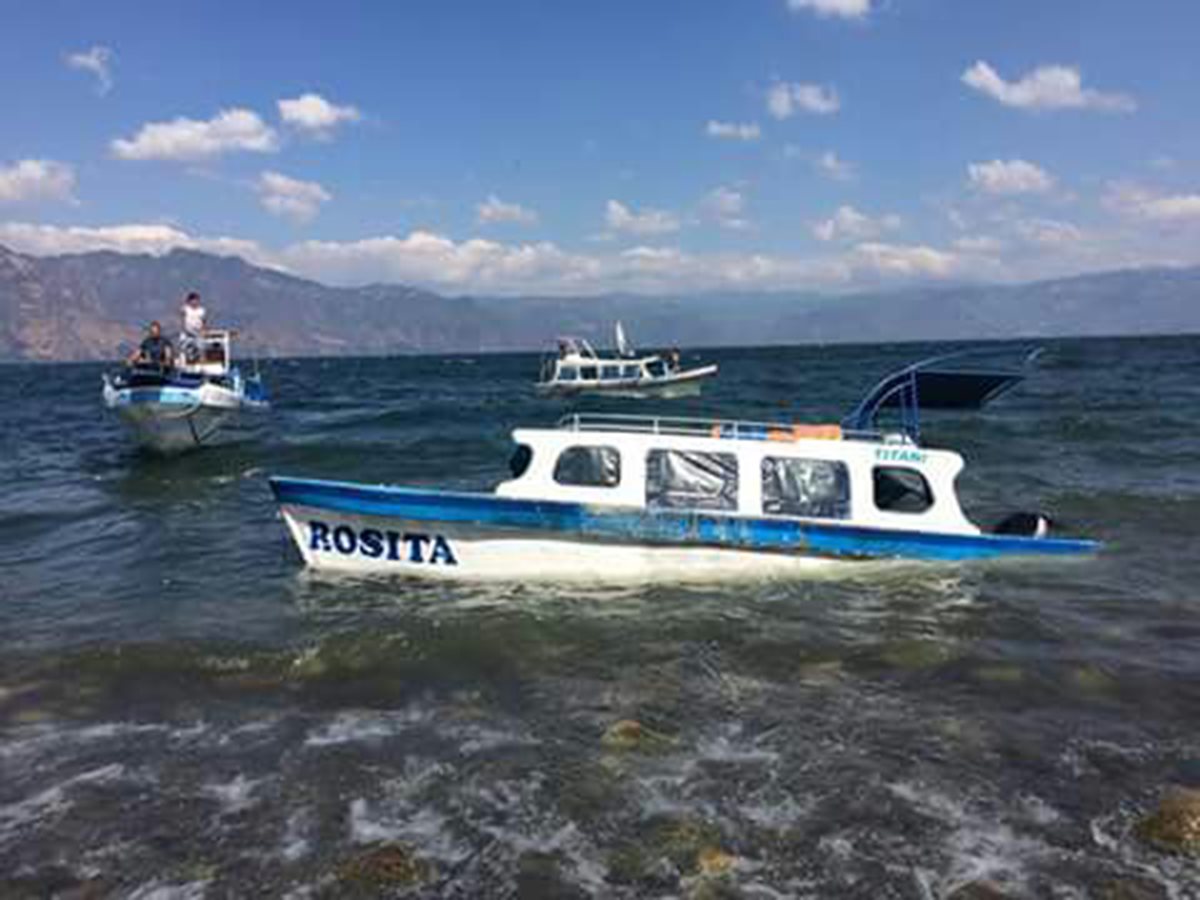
(295,843)
(732,747)
(352,727)
(423,828)
(52,800)
(234,795)
(157,890)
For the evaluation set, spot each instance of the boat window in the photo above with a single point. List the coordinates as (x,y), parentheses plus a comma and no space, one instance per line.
(588,373)
(657,368)
(898,489)
(682,479)
(518,463)
(588,467)
(631,371)
(568,373)
(819,488)
(610,372)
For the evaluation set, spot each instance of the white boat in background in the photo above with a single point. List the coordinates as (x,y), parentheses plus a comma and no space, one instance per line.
(189,405)
(607,496)
(579,369)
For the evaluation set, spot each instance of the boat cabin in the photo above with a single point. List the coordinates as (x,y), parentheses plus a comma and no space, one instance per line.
(578,365)
(747,469)
(207,356)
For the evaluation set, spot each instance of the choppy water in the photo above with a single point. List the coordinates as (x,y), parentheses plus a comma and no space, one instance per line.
(185,712)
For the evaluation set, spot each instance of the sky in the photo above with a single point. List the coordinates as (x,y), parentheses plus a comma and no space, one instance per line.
(673,146)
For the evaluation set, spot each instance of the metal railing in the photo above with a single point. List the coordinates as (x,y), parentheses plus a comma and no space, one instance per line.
(732,429)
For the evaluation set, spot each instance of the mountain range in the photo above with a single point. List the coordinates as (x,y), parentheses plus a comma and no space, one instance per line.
(90,305)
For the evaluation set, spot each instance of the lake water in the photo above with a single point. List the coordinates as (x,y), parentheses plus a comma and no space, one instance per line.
(185,711)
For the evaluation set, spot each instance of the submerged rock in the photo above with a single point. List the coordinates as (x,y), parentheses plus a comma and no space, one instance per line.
(1092,680)
(1132,889)
(714,862)
(978,890)
(821,672)
(1175,824)
(631,863)
(688,843)
(917,654)
(629,734)
(1000,674)
(540,875)
(381,865)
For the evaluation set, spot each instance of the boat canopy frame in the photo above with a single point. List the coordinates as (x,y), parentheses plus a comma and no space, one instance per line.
(947,381)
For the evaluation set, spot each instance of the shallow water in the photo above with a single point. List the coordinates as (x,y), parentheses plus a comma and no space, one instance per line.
(184,711)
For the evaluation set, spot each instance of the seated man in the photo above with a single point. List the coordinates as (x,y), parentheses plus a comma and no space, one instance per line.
(155,350)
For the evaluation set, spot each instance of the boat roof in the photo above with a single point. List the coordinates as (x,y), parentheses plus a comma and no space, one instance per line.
(961,380)
(727,429)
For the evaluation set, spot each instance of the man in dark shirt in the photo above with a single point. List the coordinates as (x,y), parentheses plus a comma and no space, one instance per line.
(155,349)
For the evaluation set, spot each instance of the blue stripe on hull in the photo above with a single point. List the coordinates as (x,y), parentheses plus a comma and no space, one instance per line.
(158,396)
(661,527)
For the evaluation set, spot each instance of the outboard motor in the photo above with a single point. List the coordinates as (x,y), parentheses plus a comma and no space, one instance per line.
(1024,524)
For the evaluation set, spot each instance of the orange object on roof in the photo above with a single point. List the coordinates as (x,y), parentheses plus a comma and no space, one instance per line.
(817,432)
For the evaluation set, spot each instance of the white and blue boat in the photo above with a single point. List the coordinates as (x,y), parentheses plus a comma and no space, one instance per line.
(602,496)
(579,369)
(193,404)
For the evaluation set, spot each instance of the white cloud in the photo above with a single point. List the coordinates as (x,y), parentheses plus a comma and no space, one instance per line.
(432,259)
(494,211)
(726,207)
(36,179)
(1141,203)
(1048,232)
(904,260)
(829,165)
(981,243)
(847,223)
(484,266)
(156,239)
(1012,176)
(785,99)
(842,9)
(291,198)
(315,115)
(98,61)
(733,131)
(1045,88)
(1178,206)
(191,139)
(620,217)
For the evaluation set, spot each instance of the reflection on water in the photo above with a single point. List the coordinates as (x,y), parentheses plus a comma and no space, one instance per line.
(884,730)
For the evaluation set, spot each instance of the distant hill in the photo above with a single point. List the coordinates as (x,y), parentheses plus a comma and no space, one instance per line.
(83,306)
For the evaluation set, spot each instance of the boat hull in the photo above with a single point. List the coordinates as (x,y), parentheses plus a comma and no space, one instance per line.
(370,529)
(679,384)
(169,420)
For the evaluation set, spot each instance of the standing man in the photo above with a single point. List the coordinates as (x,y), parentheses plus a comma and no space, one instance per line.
(193,325)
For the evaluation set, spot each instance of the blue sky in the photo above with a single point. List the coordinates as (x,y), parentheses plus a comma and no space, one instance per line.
(654,146)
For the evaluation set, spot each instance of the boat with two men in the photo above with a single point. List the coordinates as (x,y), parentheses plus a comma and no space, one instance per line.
(601,496)
(579,369)
(173,405)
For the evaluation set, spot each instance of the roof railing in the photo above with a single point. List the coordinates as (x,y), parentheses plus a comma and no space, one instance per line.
(734,429)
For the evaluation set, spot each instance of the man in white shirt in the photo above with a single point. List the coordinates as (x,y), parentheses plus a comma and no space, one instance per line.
(193,325)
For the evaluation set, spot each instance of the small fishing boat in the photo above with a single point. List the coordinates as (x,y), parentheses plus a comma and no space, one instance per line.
(632,496)
(171,409)
(579,369)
